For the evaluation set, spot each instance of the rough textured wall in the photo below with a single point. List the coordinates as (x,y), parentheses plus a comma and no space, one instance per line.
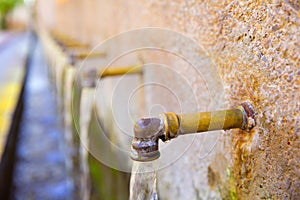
(255,45)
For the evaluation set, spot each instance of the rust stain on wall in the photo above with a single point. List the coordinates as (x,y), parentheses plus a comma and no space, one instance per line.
(261,54)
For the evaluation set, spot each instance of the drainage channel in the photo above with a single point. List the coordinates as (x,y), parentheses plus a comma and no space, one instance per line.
(42,156)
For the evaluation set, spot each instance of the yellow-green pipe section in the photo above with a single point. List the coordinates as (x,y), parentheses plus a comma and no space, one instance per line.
(82,55)
(75,44)
(147,131)
(180,124)
(118,71)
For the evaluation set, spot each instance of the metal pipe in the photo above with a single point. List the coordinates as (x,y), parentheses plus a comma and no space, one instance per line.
(90,76)
(180,124)
(74,44)
(117,71)
(169,125)
(66,40)
(82,55)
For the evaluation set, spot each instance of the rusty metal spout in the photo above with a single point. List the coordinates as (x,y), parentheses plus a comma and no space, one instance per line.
(170,125)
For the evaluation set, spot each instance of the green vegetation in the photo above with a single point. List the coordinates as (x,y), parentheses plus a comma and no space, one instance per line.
(231,185)
(5,7)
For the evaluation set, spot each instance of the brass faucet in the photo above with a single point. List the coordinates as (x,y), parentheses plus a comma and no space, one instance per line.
(167,126)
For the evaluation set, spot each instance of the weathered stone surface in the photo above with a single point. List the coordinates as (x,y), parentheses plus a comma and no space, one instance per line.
(255,46)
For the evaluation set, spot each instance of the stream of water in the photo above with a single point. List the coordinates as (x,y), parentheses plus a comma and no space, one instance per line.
(143,182)
(41,169)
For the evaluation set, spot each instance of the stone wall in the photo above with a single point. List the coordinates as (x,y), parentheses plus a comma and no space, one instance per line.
(255,47)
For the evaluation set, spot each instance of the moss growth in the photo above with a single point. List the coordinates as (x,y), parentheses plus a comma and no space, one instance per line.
(229,191)
(76,94)
(107,183)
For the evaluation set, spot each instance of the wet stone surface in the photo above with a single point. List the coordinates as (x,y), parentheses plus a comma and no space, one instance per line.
(41,171)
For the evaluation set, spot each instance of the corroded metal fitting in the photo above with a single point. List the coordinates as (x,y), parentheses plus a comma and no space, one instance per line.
(171,124)
(144,146)
(249,116)
(89,78)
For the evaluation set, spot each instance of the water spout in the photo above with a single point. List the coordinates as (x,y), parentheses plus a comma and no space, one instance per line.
(169,125)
